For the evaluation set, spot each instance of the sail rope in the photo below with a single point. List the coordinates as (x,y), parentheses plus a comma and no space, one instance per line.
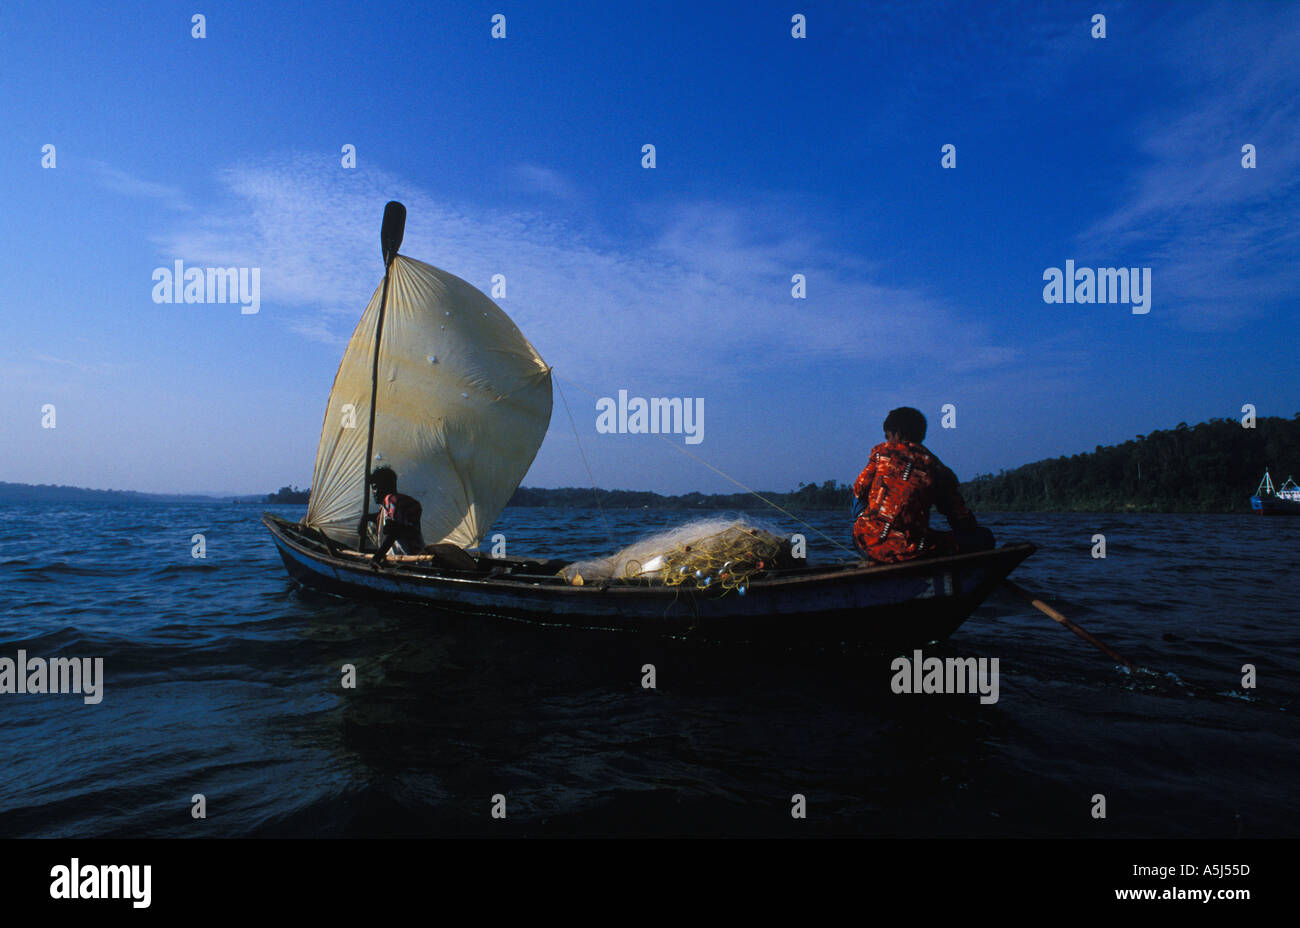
(716,470)
(595,494)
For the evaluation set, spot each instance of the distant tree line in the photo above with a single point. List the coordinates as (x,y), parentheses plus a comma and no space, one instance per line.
(828,496)
(48,492)
(1214,466)
(1211,467)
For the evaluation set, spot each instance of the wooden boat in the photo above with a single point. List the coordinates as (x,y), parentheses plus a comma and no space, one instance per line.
(459,402)
(898,605)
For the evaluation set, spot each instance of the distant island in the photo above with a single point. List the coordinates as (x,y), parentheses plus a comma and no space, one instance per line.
(289,495)
(57,493)
(1213,466)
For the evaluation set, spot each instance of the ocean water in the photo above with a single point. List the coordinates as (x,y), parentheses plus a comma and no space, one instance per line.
(223,679)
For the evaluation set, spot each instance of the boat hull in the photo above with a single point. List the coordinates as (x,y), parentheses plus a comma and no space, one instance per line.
(1274,506)
(894,605)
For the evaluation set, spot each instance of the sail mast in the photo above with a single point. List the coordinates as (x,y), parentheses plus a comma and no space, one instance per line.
(390,239)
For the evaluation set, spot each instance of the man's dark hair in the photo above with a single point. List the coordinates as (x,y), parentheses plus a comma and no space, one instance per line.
(384,478)
(906,422)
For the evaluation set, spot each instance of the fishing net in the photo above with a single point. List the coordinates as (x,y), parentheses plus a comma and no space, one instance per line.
(724,553)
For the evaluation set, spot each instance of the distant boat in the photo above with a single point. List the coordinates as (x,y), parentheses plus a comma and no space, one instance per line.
(439,384)
(1281,502)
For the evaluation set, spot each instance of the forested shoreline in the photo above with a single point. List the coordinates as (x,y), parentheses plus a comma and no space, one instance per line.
(1213,466)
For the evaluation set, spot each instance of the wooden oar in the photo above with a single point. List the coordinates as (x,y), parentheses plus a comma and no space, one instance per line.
(1036,601)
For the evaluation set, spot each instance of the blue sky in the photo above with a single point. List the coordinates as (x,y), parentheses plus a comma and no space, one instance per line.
(522,156)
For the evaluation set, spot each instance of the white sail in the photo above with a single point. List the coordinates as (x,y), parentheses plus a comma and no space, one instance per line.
(463,405)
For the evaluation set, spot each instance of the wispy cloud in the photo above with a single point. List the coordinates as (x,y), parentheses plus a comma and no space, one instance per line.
(97,369)
(704,294)
(1222,239)
(533,178)
(317,331)
(118,181)
(1036,46)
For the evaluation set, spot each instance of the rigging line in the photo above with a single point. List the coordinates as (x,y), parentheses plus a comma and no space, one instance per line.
(374,395)
(725,475)
(594,493)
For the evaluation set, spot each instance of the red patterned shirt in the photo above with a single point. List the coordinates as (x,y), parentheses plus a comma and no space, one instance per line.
(901,481)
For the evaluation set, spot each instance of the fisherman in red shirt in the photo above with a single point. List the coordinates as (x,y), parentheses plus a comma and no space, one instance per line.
(893,495)
(397,524)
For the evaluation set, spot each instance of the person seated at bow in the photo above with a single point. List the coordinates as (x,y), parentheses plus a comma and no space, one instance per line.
(397,523)
(894,493)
